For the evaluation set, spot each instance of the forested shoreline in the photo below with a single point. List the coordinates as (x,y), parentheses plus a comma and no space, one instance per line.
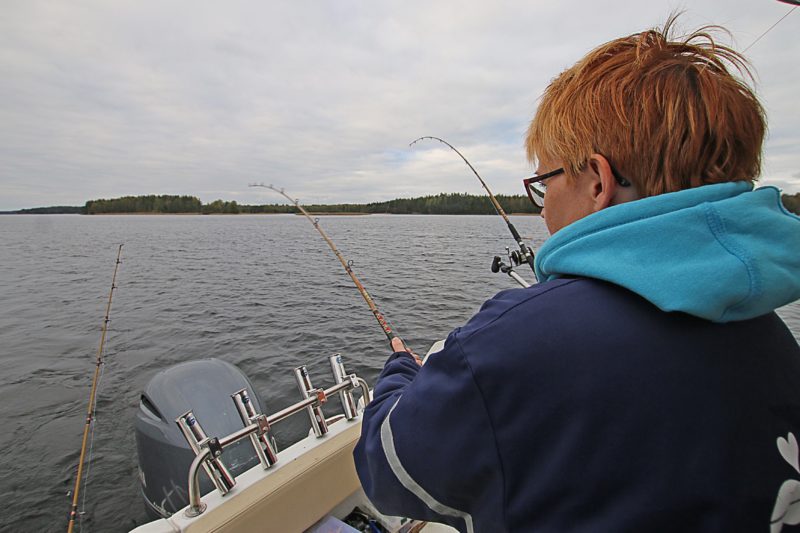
(440,204)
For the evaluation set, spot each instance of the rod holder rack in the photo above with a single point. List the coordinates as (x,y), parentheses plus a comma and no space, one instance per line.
(256,426)
(315,414)
(260,440)
(210,448)
(345,396)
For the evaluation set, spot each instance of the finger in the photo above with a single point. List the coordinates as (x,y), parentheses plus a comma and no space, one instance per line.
(398,345)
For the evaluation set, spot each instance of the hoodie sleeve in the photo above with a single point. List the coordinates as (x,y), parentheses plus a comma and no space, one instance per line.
(427,447)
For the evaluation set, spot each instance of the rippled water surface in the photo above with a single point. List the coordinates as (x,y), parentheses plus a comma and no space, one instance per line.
(262,292)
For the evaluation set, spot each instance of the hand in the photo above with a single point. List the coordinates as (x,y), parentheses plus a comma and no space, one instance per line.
(399,346)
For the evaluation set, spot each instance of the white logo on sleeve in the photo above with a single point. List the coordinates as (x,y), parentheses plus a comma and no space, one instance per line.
(787,504)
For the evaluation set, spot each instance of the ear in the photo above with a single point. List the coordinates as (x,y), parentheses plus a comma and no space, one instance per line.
(603,186)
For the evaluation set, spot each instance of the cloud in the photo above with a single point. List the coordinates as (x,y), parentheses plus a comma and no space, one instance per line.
(105,99)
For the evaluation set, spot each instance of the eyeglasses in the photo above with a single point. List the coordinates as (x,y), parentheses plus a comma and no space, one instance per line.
(536,189)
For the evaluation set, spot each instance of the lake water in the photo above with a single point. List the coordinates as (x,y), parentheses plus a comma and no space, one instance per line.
(262,292)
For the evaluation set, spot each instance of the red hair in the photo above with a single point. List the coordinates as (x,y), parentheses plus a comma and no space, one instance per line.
(668,114)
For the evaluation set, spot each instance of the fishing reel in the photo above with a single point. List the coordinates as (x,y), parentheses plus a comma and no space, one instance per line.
(523,255)
(514,257)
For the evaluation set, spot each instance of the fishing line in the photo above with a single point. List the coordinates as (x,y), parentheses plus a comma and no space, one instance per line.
(771,27)
(73,513)
(525,254)
(348,265)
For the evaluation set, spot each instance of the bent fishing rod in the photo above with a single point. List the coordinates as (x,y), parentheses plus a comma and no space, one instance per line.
(348,265)
(525,253)
(99,362)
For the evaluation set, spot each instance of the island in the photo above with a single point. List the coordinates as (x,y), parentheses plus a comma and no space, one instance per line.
(439,204)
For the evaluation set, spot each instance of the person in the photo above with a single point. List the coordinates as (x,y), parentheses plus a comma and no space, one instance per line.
(645,383)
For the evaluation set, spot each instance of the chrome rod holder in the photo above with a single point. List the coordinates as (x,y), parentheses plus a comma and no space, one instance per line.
(315,414)
(206,449)
(200,442)
(260,439)
(345,396)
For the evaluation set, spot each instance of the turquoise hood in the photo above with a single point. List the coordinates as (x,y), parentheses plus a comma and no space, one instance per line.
(722,252)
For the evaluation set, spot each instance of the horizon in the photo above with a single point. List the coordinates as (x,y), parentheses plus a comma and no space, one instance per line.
(287,203)
(284,202)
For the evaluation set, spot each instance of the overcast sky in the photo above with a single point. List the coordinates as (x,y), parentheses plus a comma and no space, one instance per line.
(100,99)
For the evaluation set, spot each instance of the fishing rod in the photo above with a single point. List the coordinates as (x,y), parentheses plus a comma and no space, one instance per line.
(73,513)
(348,265)
(525,253)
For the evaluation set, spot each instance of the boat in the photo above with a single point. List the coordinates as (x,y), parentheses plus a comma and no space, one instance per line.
(235,479)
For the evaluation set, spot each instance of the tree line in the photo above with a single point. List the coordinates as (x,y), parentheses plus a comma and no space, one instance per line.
(52,210)
(144,204)
(440,204)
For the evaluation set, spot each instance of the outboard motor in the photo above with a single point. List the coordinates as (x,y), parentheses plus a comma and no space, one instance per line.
(205,388)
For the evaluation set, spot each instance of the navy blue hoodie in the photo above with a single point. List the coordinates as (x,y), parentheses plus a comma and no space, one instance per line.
(595,403)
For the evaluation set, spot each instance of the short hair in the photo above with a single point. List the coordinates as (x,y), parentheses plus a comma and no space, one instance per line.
(666,112)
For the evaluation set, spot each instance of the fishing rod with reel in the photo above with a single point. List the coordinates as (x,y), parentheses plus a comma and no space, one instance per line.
(515,257)
(385,325)
(99,362)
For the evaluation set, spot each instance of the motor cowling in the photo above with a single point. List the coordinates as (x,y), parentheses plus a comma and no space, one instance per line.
(205,388)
